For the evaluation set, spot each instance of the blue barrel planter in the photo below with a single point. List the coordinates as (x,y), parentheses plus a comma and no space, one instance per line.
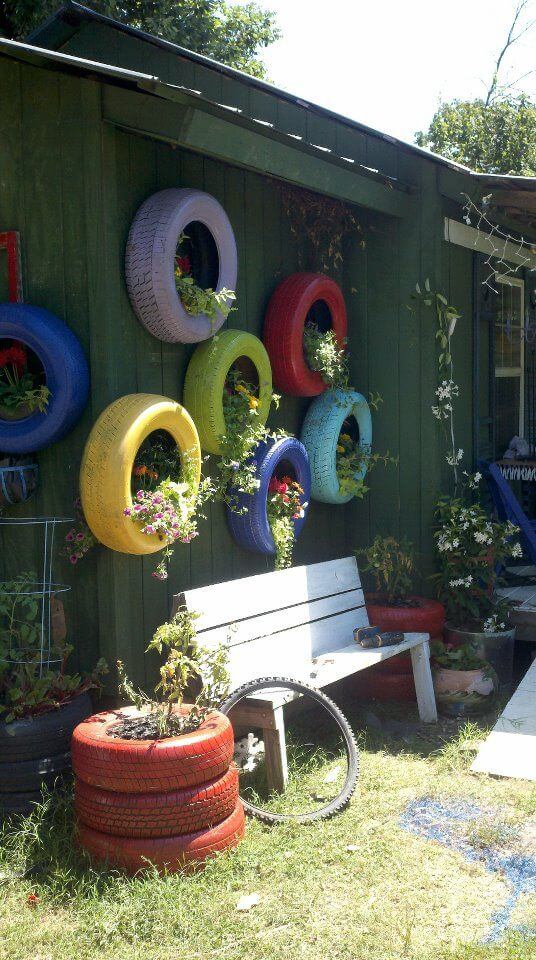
(251,529)
(66,376)
(320,434)
(18,480)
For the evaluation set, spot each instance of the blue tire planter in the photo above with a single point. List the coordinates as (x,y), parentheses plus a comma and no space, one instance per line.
(66,373)
(320,433)
(251,529)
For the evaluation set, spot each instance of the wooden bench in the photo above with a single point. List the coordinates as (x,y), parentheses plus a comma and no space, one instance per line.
(296,623)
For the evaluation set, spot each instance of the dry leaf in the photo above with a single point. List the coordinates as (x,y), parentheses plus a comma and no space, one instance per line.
(248,901)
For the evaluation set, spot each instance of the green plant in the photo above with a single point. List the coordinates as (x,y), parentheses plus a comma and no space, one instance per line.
(187,662)
(196,299)
(392,563)
(157,459)
(19,386)
(324,355)
(244,430)
(27,685)
(79,540)
(470,547)
(321,225)
(462,657)
(171,511)
(283,508)
(353,458)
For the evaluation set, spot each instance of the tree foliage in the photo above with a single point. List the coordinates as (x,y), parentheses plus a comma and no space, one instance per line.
(499,137)
(225,31)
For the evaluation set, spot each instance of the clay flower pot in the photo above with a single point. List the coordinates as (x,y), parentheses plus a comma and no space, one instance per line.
(465,693)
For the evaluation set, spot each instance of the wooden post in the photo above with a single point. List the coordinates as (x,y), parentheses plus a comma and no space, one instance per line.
(420,660)
(257,714)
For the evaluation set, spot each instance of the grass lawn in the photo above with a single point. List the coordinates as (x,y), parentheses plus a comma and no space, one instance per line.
(358,886)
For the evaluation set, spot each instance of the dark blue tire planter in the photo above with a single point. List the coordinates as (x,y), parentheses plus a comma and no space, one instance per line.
(66,373)
(320,433)
(251,529)
(18,480)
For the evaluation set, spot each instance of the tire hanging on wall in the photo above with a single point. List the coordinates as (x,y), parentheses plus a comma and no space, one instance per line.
(169,853)
(66,375)
(108,459)
(150,262)
(205,382)
(150,766)
(283,330)
(320,434)
(251,529)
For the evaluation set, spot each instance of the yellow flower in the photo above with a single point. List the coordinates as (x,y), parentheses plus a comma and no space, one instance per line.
(339,448)
(253,402)
(345,437)
(240,389)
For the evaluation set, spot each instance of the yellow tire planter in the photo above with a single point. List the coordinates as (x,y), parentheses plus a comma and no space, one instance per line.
(106,470)
(205,381)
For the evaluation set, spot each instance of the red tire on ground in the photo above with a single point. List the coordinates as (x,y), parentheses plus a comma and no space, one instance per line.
(150,766)
(283,330)
(386,688)
(166,853)
(157,814)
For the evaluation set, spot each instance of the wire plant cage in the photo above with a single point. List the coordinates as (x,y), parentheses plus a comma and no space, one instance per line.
(32,623)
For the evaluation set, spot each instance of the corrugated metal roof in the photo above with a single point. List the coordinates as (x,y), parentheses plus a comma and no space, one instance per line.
(73,12)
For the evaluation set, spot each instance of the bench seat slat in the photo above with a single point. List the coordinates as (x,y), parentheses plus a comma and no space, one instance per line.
(321,671)
(266,625)
(223,603)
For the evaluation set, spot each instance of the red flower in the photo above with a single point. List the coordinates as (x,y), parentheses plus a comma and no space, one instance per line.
(183,263)
(32,900)
(18,356)
(273,486)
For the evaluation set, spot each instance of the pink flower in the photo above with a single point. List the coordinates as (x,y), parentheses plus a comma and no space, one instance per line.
(73,558)
(80,536)
(70,536)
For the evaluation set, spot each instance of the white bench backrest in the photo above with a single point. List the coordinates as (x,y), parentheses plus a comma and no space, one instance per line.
(274,620)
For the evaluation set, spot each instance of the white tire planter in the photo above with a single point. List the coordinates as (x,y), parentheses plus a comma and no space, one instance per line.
(150,262)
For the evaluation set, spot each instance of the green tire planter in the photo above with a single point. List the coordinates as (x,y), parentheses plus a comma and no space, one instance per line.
(205,381)
(320,434)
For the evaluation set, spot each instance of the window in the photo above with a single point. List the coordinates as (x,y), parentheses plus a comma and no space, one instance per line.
(509,351)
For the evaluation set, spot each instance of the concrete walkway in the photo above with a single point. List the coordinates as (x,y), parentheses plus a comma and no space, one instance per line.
(510,749)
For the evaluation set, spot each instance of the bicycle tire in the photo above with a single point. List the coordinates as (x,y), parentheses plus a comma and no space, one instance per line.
(352,752)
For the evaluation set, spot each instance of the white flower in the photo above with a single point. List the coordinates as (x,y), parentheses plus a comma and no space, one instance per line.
(517,550)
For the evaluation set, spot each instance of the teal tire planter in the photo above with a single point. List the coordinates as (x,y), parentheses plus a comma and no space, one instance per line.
(320,433)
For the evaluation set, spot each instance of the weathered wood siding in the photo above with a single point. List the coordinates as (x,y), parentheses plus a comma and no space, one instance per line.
(71,184)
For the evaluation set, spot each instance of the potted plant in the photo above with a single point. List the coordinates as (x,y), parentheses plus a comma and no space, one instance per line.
(22,389)
(393,606)
(40,702)
(155,781)
(464,683)
(283,507)
(167,501)
(325,356)
(472,548)
(195,299)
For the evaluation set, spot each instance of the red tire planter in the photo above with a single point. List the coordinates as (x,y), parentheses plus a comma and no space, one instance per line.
(428,617)
(387,688)
(157,814)
(150,766)
(283,330)
(187,851)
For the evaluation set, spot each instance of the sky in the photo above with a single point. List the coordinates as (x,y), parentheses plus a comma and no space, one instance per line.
(388,63)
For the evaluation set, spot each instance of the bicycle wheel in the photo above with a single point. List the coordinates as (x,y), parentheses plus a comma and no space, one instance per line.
(323,769)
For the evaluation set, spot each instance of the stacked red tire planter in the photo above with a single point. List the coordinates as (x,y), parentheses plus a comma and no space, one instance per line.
(171,802)
(393,679)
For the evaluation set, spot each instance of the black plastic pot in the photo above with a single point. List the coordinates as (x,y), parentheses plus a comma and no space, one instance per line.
(35,752)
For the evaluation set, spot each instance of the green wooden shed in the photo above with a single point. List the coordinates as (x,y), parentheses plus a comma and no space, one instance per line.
(95,116)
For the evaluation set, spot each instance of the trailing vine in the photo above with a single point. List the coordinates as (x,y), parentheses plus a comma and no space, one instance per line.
(324,355)
(323,223)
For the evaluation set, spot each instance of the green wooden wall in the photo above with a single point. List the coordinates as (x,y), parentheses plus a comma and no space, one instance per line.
(71,184)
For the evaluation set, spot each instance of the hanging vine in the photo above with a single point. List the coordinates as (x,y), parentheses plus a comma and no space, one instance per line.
(498,241)
(322,224)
